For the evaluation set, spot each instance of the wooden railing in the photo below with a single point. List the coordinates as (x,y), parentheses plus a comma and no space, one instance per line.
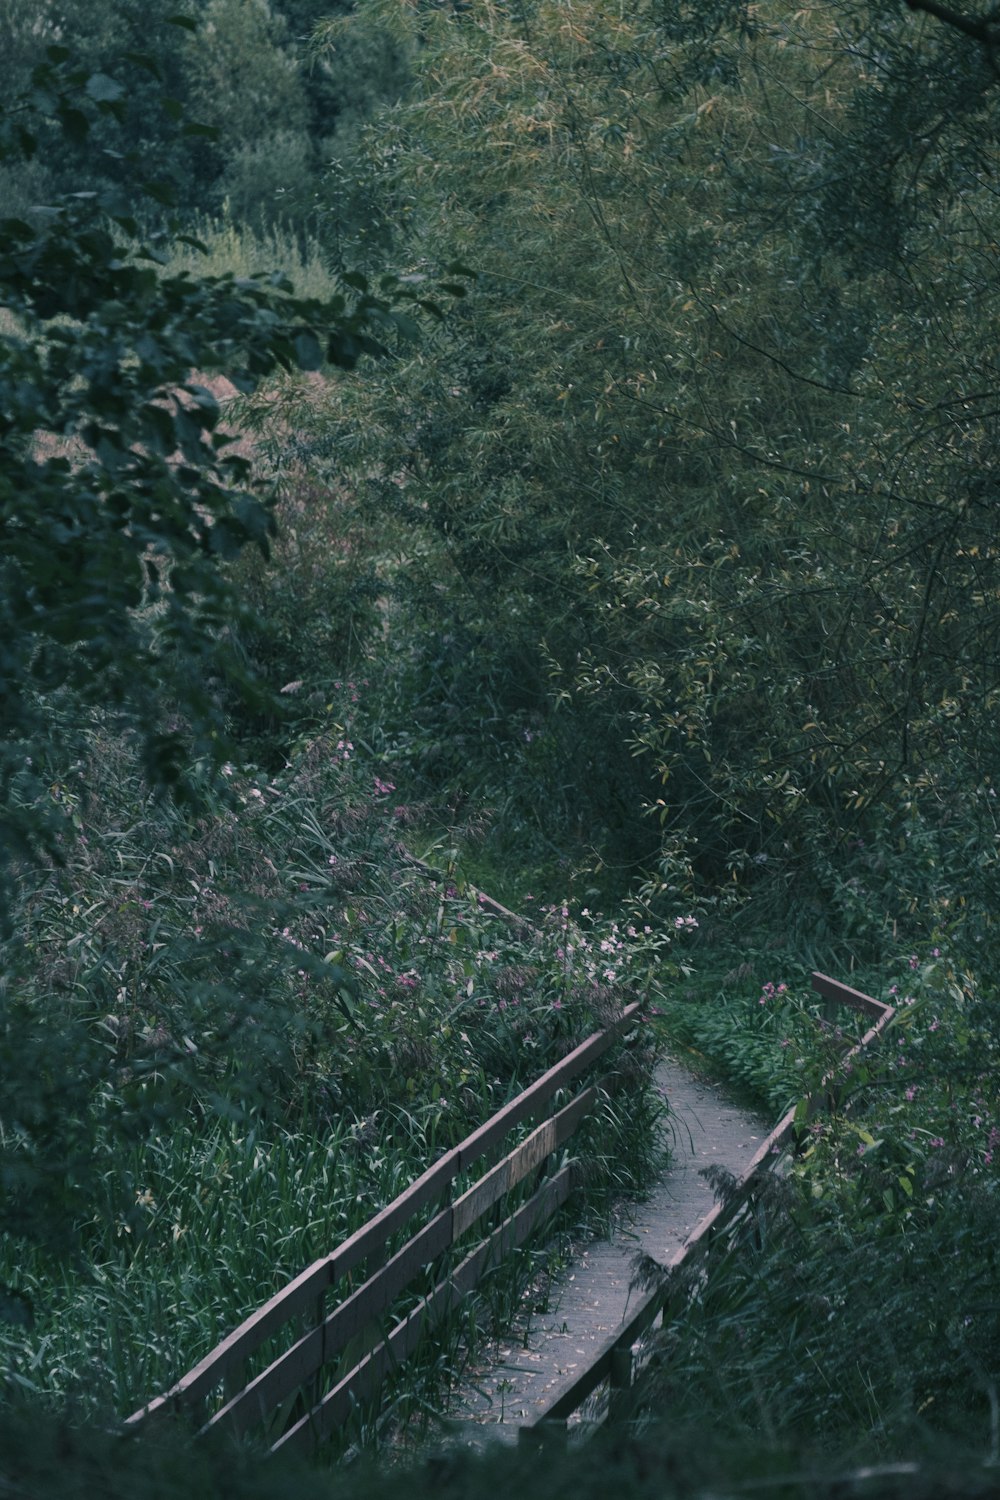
(334,1360)
(614,1362)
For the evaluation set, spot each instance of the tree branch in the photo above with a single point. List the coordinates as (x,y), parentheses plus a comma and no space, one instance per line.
(980,29)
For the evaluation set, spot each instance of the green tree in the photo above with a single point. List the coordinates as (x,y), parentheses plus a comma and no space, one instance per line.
(123,504)
(122,497)
(708,456)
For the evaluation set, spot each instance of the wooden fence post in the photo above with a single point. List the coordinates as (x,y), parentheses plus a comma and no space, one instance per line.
(620,1384)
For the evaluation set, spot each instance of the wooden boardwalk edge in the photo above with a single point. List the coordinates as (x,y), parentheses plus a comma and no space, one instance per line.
(324,1339)
(613,1359)
(303,1297)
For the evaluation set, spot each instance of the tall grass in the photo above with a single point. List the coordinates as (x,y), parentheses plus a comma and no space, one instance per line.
(220,1217)
(218,1220)
(241,250)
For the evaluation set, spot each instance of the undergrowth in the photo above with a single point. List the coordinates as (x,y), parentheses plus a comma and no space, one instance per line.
(280,1018)
(853,1312)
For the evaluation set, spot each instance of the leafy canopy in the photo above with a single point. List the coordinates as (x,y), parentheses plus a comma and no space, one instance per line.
(122,497)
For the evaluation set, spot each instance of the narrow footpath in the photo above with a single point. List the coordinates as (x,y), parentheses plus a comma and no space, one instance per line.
(591,1298)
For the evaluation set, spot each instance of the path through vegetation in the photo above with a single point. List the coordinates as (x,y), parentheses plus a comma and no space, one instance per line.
(590,1299)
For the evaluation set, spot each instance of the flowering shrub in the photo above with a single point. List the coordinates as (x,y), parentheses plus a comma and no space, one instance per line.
(280,1017)
(283,953)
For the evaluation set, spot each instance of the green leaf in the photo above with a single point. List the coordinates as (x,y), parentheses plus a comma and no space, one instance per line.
(103,89)
(74,122)
(160,191)
(406,326)
(144,60)
(308,351)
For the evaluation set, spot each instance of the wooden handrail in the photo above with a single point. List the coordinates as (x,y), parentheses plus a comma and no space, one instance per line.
(253,1401)
(612,1359)
(360,1382)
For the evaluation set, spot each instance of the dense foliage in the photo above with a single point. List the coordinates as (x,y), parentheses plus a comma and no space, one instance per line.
(122,497)
(695,496)
(661,571)
(272,1020)
(266,114)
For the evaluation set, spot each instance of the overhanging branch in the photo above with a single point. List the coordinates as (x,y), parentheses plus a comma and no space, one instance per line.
(982,29)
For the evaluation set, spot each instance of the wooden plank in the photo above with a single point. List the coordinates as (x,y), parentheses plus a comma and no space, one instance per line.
(832,989)
(294,1300)
(514,1167)
(570,1116)
(481,1196)
(609,1357)
(376,1295)
(764,1159)
(523,1159)
(345,1323)
(361,1381)
(880,1025)
(527,1103)
(514,1230)
(372,1236)
(575,1390)
(833,1082)
(357,1383)
(770,1149)
(620,1383)
(372,1299)
(256,1402)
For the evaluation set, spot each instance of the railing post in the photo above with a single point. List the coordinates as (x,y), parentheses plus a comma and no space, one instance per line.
(620,1384)
(313,1392)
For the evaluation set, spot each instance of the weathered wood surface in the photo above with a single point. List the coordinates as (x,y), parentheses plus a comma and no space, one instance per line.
(549,1355)
(587,1336)
(359,1383)
(843,994)
(301,1299)
(609,1353)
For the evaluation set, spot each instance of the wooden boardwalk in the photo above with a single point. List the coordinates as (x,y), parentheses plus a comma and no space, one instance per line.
(591,1298)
